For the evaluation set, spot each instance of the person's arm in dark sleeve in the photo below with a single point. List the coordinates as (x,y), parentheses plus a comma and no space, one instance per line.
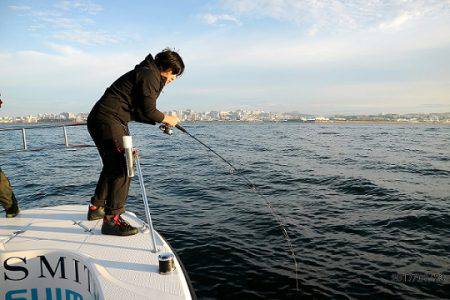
(149,93)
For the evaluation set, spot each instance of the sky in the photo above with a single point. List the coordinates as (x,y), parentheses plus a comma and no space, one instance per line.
(313,56)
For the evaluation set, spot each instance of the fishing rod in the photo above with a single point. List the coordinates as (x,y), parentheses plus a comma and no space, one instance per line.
(168,130)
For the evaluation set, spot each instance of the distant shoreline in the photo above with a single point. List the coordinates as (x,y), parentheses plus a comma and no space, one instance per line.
(57,124)
(377,122)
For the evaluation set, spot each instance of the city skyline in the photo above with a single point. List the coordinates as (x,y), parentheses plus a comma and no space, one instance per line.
(244,116)
(323,57)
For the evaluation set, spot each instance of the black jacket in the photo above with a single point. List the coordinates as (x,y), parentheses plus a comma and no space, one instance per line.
(133,96)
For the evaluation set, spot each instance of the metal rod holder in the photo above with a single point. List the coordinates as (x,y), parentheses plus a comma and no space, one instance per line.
(66,139)
(24,139)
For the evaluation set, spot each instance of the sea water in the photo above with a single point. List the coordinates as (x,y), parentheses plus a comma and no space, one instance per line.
(367,206)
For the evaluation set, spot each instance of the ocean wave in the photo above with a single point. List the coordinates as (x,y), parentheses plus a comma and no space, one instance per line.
(426,222)
(361,186)
(411,169)
(346,185)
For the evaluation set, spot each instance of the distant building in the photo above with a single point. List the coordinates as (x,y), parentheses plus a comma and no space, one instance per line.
(322,119)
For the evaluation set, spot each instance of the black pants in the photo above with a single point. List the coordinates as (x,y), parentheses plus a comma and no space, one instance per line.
(114,183)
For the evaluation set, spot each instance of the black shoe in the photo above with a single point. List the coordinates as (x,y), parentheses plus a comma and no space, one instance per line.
(13,210)
(118,226)
(95,214)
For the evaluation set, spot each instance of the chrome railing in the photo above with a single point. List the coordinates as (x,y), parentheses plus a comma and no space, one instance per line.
(23,131)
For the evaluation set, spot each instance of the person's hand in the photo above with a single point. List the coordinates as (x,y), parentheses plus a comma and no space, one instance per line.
(170,120)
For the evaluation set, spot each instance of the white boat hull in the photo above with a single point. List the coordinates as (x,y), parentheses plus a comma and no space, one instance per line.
(55,253)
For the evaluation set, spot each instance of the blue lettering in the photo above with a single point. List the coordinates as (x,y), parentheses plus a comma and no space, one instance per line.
(22,294)
(76,296)
(49,294)
(34,294)
(9,295)
(58,294)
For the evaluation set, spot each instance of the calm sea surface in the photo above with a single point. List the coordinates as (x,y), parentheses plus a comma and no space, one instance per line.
(367,206)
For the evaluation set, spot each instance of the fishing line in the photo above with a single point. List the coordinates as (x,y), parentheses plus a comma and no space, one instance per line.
(252,186)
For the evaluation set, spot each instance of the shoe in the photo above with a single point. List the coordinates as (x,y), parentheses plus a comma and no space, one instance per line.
(118,226)
(95,214)
(13,210)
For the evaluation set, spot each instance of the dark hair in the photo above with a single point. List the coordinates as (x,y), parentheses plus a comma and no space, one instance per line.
(168,59)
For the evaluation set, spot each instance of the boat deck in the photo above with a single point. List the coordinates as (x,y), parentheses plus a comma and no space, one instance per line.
(124,267)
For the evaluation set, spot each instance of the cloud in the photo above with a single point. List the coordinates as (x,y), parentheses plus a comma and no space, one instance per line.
(213,19)
(313,31)
(36,81)
(397,67)
(387,96)
(340,52)
(87,37)
(339,33)
(82,5)
(19,7)
(360,48)
(59,24)
(397,22)
(338,15)
(64,51)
